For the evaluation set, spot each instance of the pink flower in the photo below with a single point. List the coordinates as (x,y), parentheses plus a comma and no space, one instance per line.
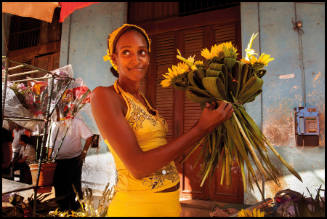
(21,86)
(29,98)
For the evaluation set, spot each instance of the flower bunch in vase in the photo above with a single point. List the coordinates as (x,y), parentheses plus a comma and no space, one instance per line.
(72,101)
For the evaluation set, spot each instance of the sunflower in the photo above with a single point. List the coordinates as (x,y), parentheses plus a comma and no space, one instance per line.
(229,49)
(198,63)
(216,50)
(248,213)
(206,54)
(189,61)
(251,58)
(173,73)
(264,59)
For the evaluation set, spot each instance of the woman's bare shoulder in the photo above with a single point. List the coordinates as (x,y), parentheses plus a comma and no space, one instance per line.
(102,90)
(106,96)
(101,93)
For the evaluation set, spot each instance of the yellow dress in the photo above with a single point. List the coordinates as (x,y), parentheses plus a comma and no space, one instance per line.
(140,197)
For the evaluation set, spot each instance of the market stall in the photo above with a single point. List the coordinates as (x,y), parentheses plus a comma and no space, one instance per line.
(29,101)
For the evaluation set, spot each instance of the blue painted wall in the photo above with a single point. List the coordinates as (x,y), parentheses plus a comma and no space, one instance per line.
(295,78)
(83,45)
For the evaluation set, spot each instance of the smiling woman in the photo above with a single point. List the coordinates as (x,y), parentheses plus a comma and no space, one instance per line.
(112,42)
(148,181)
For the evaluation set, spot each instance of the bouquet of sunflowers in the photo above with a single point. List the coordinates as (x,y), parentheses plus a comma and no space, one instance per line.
(222,77)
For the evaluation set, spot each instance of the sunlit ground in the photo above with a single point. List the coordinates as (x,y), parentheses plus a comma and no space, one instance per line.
(97,171)
(311,180)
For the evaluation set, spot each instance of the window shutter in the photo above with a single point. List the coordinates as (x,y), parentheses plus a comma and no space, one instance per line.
(225,33)
(164,57)
(192,174)
(234,192)
(193,44)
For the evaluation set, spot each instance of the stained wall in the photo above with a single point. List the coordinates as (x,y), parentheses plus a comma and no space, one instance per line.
(84,43)
(295,78)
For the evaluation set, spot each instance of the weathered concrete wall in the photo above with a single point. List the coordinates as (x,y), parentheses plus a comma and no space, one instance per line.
(83,45)
(295,78)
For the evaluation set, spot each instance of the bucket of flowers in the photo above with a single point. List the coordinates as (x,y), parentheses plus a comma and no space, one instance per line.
(61,80)
(221,76)
(69,95)
(72,101)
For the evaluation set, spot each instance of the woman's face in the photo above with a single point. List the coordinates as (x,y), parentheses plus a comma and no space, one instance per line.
(132,56)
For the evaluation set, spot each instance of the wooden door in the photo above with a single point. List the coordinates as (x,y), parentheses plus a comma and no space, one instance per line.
(190,35)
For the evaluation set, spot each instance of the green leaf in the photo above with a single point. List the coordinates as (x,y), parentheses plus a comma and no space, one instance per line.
(252,87)
(210,84)
(216,66)
(213,73)
(244,75)
(190,77)
(197,95)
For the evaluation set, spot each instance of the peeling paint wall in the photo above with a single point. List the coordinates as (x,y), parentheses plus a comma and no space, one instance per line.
(296,77)
(84,43)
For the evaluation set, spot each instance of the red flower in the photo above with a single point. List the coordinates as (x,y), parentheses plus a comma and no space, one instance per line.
(27,132)
(80,91)
(39,112)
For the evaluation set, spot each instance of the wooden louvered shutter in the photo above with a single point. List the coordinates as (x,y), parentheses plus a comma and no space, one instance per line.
(193,43)
(164,55)
(234,192)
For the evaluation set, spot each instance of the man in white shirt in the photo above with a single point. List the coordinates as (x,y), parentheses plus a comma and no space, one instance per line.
(69,156)
(16,143)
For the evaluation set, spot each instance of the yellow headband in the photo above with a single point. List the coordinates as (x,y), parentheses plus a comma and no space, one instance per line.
(112,38)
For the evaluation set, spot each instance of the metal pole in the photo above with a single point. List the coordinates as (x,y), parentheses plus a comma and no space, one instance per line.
(23,73)
(32,79)
(33,67)
(23,118)
(4,90)
(261,100)
(43,142)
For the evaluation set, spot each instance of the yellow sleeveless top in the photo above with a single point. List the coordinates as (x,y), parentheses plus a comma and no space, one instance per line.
(150,131)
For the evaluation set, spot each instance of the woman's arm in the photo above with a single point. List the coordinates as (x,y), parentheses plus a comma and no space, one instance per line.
(107,110)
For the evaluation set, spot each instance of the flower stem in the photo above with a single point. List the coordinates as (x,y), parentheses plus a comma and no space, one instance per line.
(250,147)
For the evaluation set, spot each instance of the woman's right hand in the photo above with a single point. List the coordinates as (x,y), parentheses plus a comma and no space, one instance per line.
(211,116)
